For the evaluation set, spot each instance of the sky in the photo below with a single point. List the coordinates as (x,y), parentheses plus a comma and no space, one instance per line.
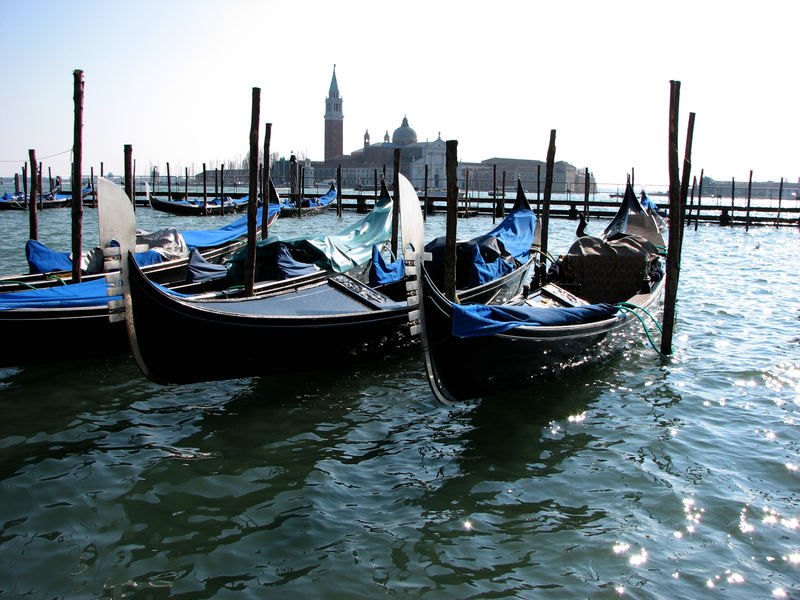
(174,79)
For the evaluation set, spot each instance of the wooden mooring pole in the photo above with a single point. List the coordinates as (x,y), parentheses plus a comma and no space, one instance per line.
(77,158)
(675,224)
(205,190)
(548,191)
(252,200)
(749,192)
(33,216)
(451,164)
(396,203)
(221,188)
(128,156)
(266,188)
(699,199)
(169,185)
(339,191)
(780,197)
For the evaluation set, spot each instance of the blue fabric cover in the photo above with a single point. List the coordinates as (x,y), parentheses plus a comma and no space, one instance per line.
(481,272)
(380,273)
(206,238)
(87,293)
(488,256)
(289,267)
(43,260)
(200,270)
(475,320)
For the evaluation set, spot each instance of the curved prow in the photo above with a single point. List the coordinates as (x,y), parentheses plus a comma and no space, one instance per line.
(522,200)
(117,224)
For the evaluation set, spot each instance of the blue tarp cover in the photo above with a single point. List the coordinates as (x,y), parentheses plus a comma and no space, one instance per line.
(87,293)
(42,259)
(289,267)
(475,320)
(206,238)
(380,273)
(489,256)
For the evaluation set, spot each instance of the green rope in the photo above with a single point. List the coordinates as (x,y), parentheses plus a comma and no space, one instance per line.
(28,285)
(628,305)
(630,308)
(59,279)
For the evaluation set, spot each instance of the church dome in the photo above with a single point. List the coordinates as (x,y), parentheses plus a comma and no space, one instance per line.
(404,135)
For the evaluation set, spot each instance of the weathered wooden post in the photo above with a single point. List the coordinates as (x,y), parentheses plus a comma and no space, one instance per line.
(153,180)
(396,203)
(699,199)
(375,183)
(687,170)
(749,190)
(41,187)
(267,186)
(16,183)
(33,216)
(293,196)
(690,209)
(252,201)
(466,192)
(169,185)
(503,197)
(548,191)
(733,194)
(77,158)
(675,237)
(222,189)
(780,197)
(633,176)
(50,178)
(586,187)
(133,198)
(451,163)
(128,154)
(91,185)
(185,184)
(494,193)
(25,184)
(339,191)
(205,190)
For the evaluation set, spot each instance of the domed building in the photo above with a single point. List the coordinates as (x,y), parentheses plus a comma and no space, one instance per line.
(404,135)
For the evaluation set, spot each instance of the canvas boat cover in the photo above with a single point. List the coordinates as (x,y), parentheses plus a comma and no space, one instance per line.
(214,237)
(489,256)
(475,320)
(42,259)
(85,294)
(340,252)
(380,273)
(600,270)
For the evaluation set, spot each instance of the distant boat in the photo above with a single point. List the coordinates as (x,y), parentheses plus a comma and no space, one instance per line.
(19,201)
(309,206)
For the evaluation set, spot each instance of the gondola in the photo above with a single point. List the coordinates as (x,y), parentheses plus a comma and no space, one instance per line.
(67,322)
(330,315)
(50,268)
(197,208)
(309,206)
(20,202)
(583,313)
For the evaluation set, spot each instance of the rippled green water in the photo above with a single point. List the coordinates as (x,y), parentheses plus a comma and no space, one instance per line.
(638,479)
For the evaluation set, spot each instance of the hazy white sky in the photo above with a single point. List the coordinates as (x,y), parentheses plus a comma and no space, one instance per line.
(174,79)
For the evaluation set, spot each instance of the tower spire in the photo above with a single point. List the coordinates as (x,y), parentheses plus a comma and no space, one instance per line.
(334,134)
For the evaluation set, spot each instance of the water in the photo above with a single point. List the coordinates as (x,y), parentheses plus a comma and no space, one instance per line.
(637,479)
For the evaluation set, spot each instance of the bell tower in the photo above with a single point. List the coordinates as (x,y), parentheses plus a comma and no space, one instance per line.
(334,135)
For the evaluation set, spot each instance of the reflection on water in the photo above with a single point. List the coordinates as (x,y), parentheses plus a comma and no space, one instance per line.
(638,478)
